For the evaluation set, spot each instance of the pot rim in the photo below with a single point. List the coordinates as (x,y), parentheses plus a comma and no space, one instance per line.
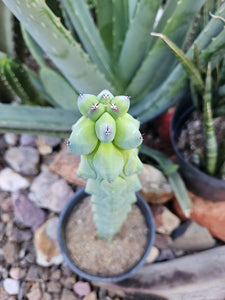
(75,200)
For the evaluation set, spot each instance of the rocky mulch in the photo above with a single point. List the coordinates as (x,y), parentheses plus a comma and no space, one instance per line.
(37,177)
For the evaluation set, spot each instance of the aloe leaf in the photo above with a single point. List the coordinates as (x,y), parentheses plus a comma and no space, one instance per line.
(120,25)
(188,65)
(37,120)
(165,12)
(132,8)
(6,30)
(136,38)
(2,55)
(59,45)
(216,48)
(175,86)
(58,88)
(210,138)
(33,47)
(89,35)
(218,17)
(174,178)
(104,20)
(157,64)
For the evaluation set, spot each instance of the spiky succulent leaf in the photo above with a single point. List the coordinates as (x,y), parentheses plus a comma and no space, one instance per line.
(58,88)
(104,21)
(158,57)
(175,86)
(135,43)
(37,120)
(58,44)
(89,35)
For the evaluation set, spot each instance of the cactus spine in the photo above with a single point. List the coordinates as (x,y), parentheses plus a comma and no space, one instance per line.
(106,137)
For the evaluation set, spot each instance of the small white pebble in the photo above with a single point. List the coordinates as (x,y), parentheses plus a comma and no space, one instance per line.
(11,286)
(11,138)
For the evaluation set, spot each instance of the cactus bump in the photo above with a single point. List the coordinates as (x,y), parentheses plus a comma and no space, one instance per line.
(107,137)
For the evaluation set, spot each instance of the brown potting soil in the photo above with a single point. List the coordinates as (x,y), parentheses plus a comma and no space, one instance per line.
(101,257)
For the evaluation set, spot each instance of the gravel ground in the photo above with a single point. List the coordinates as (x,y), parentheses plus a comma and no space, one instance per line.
(25,181)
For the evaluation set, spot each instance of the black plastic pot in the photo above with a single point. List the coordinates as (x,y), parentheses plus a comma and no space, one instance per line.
(197,181)
(75,200)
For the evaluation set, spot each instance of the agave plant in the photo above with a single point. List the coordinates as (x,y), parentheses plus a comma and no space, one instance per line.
(106,137)
(208,95)
(110,48)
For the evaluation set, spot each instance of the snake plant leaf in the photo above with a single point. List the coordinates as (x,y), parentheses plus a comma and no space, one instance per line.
(59,89)
(36,120)
(174,178)
(89,35)
(136,38)
(83,139)
(159,57)
(59,45)
(209,132)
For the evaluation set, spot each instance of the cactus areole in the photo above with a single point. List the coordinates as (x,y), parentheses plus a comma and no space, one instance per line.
(107,137)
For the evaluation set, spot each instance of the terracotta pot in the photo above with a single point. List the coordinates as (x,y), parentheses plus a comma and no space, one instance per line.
(78,198)
(198,182)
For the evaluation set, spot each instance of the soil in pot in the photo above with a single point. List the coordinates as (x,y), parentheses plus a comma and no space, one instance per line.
(98,256)
(191,140)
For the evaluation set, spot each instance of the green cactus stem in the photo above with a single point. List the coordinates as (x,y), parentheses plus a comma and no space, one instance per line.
(107,138)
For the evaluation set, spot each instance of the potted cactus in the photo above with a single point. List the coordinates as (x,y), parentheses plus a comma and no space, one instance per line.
(106,137)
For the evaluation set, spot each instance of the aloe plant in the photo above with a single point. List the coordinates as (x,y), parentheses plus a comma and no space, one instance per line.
(107,137)
(208,94)
(113,51)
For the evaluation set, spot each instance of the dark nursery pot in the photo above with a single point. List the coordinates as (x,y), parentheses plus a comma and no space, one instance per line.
(198,182)
(64,216)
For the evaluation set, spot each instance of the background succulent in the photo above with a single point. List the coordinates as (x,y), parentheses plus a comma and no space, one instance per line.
(107,137)
(206,73)
(107,44)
